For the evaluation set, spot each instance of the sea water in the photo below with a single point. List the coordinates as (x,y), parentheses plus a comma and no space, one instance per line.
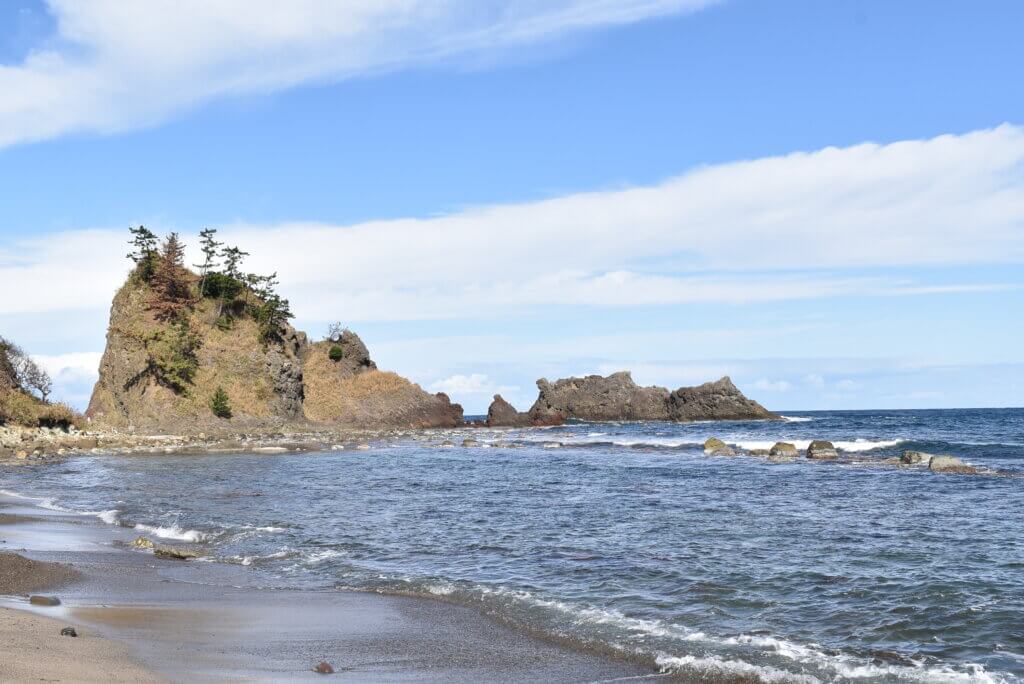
(627,539)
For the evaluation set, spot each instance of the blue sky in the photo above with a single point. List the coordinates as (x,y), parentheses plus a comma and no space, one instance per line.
(824,200)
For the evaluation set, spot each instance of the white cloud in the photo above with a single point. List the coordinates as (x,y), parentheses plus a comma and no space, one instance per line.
(780,228)
(474,386)
(115,65)
(773,385)
(815,380)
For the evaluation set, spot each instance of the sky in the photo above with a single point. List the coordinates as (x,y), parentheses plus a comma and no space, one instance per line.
(823,200)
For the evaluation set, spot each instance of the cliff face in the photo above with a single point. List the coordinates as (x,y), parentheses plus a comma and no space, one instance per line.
(263,382)
(617,397)
(269,384)
(503,414)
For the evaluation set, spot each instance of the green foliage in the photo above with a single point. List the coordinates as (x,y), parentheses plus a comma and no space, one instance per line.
(270,316)
(210,248)
(172,356)
(222,286)
(335,353)
(220,404)
(144,253)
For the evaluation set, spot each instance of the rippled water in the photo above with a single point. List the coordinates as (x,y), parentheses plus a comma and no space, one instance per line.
(627,538)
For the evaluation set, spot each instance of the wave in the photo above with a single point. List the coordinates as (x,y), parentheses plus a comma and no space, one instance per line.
(797,419)
(173,532)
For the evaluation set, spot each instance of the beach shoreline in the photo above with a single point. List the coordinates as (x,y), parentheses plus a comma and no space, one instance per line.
(141,618)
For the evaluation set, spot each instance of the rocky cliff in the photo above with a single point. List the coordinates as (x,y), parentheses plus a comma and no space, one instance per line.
(503,414)
(157,376)
(618,397)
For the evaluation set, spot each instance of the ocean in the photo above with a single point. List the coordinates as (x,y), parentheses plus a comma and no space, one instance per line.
(625,538)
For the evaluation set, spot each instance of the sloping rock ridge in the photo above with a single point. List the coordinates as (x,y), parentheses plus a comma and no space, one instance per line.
(503,414)
(617,397)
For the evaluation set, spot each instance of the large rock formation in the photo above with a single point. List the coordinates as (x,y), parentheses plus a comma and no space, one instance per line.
(503,414)
(599,398)
(617,397)
(270,383)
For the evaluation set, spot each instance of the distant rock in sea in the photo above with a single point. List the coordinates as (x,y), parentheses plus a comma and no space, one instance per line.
(503,414)
(617,397)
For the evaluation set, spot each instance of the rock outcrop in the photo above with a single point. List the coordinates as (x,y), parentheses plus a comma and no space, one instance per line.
(950,464)
(719,400)
(617,397)
(283,380)
(716,447)
(503,414)
(599,398)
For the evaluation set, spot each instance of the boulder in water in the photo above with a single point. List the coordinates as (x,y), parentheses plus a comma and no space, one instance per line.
(716,447)
(142,543)
(784,449)
(821,450)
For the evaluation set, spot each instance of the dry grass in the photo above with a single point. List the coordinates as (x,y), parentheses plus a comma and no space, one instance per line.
(18,408)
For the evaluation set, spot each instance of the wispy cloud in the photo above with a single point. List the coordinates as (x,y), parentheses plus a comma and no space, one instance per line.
(116,65)
(781,228)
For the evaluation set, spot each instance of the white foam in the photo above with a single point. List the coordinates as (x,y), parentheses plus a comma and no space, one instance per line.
(855,445)
(797,419)
(173,532)
(712,665)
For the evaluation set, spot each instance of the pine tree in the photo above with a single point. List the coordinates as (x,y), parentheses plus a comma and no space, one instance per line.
(170,281)
(210,248)
(220,404)
(144,251)
(233,258)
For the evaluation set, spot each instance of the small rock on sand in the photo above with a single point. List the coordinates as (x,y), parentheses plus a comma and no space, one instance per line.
(36,600)
(324,668)
(68,632)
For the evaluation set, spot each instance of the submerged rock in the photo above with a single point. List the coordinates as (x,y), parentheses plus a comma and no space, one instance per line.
(822,450)
(470,442)
(175,553)
(716,447)
(950,464)
(915,457)
(142,543)
(503,414)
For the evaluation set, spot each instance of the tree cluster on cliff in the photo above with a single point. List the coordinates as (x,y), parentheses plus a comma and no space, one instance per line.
(174,291)
(25,388)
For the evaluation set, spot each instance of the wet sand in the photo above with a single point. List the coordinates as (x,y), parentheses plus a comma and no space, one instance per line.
(204,622)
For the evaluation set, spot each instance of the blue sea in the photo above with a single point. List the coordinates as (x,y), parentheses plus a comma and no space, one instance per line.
(627,539)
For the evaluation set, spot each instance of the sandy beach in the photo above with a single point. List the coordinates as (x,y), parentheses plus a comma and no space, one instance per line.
(140,618)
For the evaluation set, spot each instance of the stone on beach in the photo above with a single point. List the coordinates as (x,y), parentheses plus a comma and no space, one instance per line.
(69,632)
(323,668)
(36,600)
(470,442)
(821,450)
